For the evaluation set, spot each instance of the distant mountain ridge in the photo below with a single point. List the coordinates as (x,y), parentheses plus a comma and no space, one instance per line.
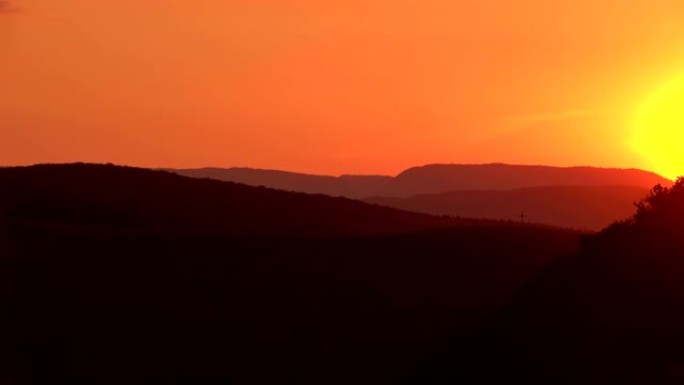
(350,186)
(497,176)
(434,179)
(580,207)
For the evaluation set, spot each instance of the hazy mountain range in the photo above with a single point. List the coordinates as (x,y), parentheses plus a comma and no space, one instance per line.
(581,207)
(433,179)
(350,186)
(578,197)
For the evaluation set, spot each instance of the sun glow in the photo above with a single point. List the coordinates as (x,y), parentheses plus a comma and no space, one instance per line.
(659,129)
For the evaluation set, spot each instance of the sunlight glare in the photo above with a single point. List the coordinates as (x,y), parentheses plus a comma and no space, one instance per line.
(658,133)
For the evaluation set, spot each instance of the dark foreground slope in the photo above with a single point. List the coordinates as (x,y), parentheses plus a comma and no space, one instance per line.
(85,194)
(580,207)
(614,314)
(111,299)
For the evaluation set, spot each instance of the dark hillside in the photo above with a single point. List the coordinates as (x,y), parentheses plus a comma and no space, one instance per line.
(614,314)
(85,194)
(97,306)
(126,280)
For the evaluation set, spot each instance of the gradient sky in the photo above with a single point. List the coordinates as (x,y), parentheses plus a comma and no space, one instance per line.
(354,86)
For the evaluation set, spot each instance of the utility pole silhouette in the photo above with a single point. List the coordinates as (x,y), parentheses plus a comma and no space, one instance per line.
(523,216)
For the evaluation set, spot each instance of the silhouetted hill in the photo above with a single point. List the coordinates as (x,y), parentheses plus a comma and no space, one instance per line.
(129,197)
(614,314)
(442,178)
(116,275)
(438,178)
(580,207)
(351,186)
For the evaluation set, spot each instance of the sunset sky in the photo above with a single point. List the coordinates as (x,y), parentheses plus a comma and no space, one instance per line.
(331,87)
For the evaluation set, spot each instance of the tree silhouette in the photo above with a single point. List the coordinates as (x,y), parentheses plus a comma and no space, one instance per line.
(660,198)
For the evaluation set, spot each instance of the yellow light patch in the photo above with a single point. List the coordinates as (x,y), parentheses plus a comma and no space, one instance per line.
(659,129)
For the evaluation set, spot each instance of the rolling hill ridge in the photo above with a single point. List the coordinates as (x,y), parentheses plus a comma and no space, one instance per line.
(437,178)
(87,194)
(581,207)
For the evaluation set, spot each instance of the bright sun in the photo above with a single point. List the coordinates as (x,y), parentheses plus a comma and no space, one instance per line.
(659,129)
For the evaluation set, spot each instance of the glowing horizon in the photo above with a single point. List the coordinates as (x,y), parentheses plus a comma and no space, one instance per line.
(354,87)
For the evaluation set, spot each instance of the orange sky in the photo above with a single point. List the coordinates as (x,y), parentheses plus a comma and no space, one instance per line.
(354,86)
